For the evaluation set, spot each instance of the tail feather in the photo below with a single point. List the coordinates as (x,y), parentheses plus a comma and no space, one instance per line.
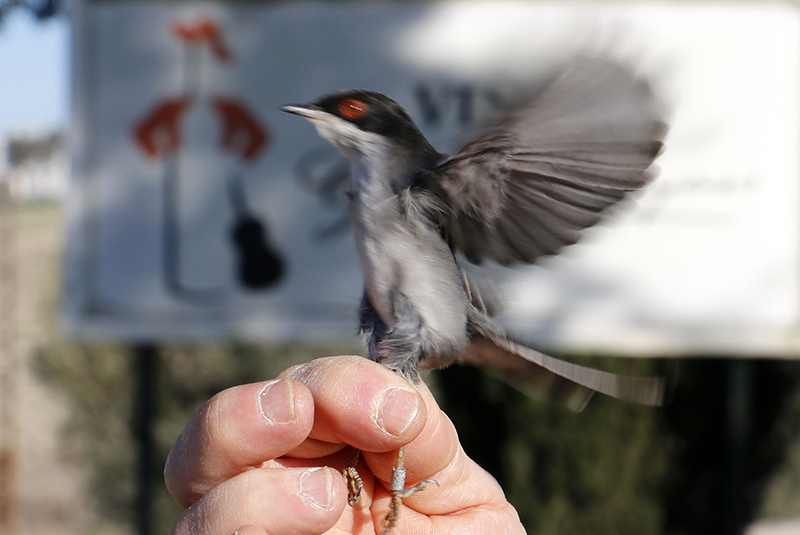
(527,377)
(644,390)
(491,346)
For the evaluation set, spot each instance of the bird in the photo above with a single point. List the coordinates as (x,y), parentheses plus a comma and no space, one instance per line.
(522,189)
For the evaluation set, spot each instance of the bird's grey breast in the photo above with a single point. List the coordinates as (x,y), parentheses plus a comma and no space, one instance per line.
(403,256)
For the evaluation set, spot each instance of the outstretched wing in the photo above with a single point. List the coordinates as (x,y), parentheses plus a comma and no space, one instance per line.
(530,184)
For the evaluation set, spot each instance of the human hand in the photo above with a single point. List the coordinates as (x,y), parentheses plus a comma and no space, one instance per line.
(267,458)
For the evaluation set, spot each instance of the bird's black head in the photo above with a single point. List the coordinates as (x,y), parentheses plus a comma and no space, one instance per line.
(368,111)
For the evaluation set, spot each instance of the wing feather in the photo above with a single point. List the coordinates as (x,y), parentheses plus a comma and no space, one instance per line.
(550,167)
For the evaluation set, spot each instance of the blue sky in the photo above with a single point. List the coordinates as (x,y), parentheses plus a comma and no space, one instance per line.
(34,80)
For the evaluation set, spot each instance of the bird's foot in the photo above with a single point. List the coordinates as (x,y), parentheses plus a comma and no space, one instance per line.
(399,491)
(352,479)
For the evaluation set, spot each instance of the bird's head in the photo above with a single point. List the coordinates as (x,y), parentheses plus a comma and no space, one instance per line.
(361,121)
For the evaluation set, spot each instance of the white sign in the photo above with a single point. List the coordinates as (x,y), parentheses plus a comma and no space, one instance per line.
(199,210)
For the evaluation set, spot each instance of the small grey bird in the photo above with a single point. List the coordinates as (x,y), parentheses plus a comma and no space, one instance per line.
(521,190)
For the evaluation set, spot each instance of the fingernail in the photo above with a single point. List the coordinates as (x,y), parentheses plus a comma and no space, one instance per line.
(276,401)
(316,487)
(397,410)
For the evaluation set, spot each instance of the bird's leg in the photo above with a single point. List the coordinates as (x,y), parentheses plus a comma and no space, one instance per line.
(399,491)
(399,349)
(352,479)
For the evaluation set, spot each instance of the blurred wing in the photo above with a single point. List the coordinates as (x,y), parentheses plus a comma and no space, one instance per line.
(530,184)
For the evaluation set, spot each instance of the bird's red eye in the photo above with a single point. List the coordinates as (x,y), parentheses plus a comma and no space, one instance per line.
(353,109)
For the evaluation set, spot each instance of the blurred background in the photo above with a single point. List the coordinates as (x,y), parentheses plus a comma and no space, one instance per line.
(154,252)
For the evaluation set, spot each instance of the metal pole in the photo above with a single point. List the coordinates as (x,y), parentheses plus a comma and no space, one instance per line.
(9,366)
(740,379)
(146,359)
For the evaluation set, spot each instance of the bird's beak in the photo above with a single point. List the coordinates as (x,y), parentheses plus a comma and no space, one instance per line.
(309,111)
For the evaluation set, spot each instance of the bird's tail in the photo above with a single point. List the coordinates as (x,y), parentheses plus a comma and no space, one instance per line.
(521,365)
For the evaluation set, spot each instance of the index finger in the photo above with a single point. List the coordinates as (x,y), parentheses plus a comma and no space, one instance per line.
(358,402)
(364,404)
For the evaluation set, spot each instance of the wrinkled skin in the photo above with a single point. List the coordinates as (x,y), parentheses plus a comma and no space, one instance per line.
(252,468)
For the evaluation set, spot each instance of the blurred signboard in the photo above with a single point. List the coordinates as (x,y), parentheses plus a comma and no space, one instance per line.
(199,210)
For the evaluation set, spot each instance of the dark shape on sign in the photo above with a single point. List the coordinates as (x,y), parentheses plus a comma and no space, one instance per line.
(259,265)
(46,9)
(241,131)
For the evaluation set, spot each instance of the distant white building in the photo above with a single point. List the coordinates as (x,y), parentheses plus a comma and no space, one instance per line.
(35,167)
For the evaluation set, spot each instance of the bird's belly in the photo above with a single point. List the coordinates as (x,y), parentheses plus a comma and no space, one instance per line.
(400,264)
